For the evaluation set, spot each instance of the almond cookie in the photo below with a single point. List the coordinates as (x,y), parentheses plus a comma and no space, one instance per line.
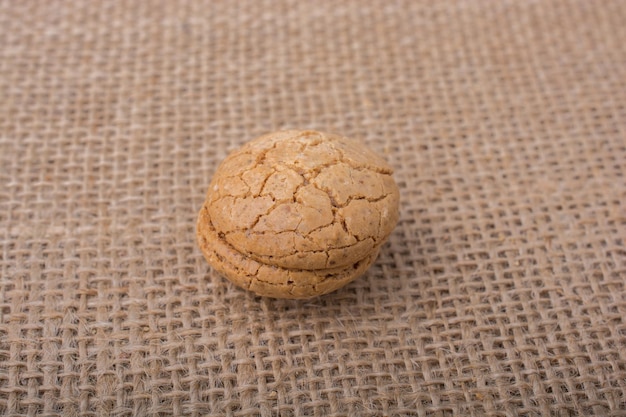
(270,280)
(296,214)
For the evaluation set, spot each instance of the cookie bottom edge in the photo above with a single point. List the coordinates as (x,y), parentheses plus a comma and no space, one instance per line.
(268,280)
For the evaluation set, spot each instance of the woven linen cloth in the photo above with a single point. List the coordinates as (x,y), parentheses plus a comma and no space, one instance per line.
(502,291)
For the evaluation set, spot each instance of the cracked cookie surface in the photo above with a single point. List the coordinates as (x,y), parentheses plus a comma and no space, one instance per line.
(271,280)
(301,201)
(304,199)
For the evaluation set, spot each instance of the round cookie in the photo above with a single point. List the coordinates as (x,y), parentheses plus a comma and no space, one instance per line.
(296,214)
(304,200)
(270,280)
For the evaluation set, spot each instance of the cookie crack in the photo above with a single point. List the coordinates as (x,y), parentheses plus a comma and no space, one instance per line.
(260,159)
(263,183)
(320,275)
(365,198)
(353,165)
(351,198)
(296,251)
(258,218)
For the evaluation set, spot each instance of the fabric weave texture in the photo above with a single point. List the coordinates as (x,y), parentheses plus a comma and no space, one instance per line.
(502,291)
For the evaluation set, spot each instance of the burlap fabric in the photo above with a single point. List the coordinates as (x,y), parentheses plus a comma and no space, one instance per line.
(501,292)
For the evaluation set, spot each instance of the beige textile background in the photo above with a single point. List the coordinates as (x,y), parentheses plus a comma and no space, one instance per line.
(501,292)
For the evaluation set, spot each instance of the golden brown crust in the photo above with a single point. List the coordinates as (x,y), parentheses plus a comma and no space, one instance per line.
(304,200)
(295,214)
(268,280)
